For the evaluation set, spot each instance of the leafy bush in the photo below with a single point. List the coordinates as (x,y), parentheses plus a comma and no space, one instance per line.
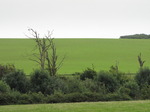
(74,85)
(90,85)
(37,97)
(108,80)
(120,76)
(88,73)
(133,89)
(17,80)
(145,91)
(40,81)
(5,69)
(143,76)
(4,87)
(9,98)
(56,98)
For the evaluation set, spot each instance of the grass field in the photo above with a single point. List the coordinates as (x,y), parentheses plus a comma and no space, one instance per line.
(121,106)
(80,53)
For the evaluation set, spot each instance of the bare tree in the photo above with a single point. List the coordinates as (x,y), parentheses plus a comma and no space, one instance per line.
(46,56)
(43,45)
(52,60)
(141,62)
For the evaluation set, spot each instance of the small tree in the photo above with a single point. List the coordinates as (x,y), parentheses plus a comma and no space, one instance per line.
(141,62)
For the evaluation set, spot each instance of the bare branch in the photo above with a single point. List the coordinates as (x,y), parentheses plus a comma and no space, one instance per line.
(34,60)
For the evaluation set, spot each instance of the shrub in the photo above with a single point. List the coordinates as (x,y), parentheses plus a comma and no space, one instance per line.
(40,81)
(4,87)
(143,76)
(133,89)
(145,91)
(88,73)
(90,85)
(56,98)
(5,69)
(37,97)
(17,80)
(120,76)
(108,80)
(74,85)
(12,97)
(56,84)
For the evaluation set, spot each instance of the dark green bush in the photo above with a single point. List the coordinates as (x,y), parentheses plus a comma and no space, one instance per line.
(5,69)
(120,76)
(40,82)
(56,98)
(134,89)
(90,85)
(37,97)
(88,73)
(17,80)
(143,77)
(74,85)
(145,91)
(9,98)
(4,88)
(108,80)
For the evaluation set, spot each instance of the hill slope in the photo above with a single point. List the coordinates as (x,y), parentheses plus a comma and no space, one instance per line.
(80,53)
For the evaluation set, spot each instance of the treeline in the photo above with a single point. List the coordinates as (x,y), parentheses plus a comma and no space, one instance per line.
(136,36)
(40,87)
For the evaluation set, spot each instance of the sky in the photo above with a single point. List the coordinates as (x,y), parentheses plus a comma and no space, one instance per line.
(74,18)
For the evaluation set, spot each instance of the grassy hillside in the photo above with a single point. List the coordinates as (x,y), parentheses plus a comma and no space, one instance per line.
(80,53)
(122,106)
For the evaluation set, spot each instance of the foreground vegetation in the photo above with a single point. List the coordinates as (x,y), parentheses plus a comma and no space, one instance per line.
(102,53)
(121,106)
(40,87)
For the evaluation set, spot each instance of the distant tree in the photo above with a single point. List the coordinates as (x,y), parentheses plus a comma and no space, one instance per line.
(141,62)
(136,36)
(46,57)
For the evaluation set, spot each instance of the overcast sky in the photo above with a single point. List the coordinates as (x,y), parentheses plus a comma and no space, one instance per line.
(74,18)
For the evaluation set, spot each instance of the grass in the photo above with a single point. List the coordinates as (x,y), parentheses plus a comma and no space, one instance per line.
(117,106)
(80,53)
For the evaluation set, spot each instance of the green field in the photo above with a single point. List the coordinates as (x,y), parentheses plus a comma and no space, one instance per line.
(80,53)
(121,106)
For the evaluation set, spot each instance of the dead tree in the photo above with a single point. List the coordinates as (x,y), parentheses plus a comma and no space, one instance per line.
(46,56)
(141,62)
(42,45)
(52,60)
